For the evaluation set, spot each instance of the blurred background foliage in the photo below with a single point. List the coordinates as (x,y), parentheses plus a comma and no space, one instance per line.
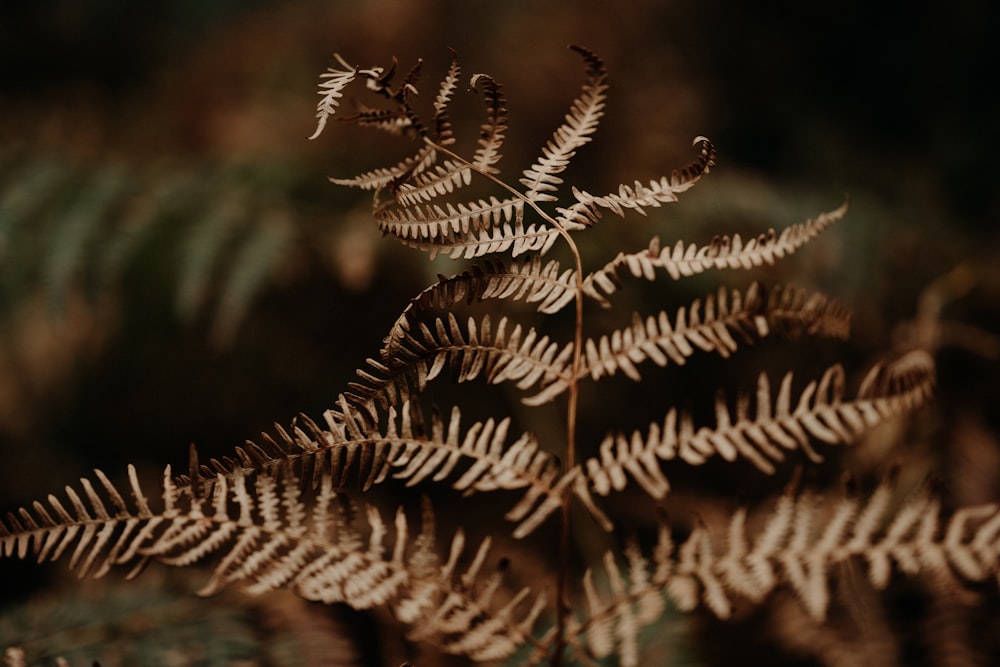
(175,267)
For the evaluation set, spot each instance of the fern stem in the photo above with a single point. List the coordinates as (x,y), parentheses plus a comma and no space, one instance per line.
(562,591)
(562,583)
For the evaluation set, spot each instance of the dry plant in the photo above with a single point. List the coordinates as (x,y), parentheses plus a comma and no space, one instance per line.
(298,512)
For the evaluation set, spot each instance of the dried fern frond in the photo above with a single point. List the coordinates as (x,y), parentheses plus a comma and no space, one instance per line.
(397,122)
(906,375)
(450,222)
(416,357)
(580,123)
(723,252)
(710,326)
(477,458)
(800,545)
(354,444)
(527,280)
(515,238)
(612,622)
(399,119)
(491,132)
(426,185)
(442,122)
(807,536)
(761,434)
(413,181)
(586,210)
(271,533)
(504,353)
(383,177)
(483,461)
(331,90)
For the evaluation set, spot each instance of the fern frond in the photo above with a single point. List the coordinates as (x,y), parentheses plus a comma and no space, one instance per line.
(906,375)
(482,461)
(214,228)
(97,536)
(424,186)
(491,132)
(713,326)
(725,317)
(777,423)
(382,177)
(477,350)
(580,123)
(637,197)
(82,228)
(800,545)
(420,223)
(444,136)
(513,237)
(806,537)
(724,252)
(413,181)
(613,621)
(409,85)
(792,312)
(378,80)
(529,281)
(24,190)
(330,92)
(143,217)
(354,443)
(451,175)
(269,240)
(477,458)
(396,122)
(270,535)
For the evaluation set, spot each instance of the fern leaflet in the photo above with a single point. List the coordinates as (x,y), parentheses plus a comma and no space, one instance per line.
(580,123)
(723,252)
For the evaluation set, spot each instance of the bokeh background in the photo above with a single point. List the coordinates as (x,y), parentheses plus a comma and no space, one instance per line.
(176,268)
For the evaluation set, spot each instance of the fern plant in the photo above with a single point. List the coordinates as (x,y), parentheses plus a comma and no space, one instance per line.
(297,512)
(68,229)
